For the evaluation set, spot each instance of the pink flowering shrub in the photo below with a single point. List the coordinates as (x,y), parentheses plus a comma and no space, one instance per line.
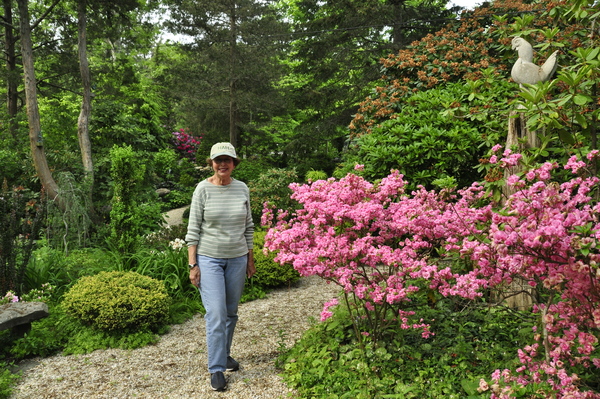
(186,144)
(383,246)
(10,297)
(376,243)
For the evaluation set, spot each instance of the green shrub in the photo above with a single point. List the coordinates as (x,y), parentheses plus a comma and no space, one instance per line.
(270,274)
(328,362)
(434,136)
(170,265)
(133,213)
(21,216)
(272,187)
(165,163)
(314,175)
(250,169)
(52,266)
(119,301)
(7,380)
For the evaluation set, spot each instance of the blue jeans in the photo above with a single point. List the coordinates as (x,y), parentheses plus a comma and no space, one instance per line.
(221,286)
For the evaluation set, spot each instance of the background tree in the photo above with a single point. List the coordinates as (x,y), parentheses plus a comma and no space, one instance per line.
(229,67)
(334,60)
(33,115)
(12,75)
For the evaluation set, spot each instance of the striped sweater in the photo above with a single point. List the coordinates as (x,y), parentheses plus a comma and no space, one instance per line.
(220,222)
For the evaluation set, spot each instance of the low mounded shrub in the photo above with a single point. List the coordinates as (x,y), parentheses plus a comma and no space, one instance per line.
(119,301)
(270,274)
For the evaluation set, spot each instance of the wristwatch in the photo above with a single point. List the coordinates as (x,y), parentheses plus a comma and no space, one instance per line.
(192,265)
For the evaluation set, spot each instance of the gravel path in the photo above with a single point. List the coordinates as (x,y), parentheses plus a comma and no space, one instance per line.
(176,366)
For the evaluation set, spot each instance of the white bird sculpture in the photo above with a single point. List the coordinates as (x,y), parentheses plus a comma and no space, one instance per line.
(524,70)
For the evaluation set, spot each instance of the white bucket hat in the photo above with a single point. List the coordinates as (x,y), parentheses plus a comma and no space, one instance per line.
(222,149)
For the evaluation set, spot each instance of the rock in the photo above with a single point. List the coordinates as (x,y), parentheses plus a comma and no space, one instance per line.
(162,192)
(19,315)
(174,217)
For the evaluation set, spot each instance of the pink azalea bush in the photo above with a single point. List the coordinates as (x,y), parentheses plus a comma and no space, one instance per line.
(383,246)
(186,144)
(9,297)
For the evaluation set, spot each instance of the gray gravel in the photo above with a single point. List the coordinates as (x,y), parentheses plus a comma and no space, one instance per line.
(176,366)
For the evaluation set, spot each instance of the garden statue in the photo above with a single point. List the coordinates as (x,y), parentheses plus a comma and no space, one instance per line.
(524,70)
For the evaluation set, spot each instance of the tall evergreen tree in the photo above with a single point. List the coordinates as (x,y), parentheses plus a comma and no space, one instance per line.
(231,64)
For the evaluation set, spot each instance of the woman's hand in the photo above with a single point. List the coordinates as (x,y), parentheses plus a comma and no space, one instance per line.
(195,276)
(250,269)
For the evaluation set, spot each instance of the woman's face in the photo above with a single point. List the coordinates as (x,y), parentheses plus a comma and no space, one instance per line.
(223,166)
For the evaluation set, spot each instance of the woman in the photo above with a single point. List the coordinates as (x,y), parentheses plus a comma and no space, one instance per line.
(220,240)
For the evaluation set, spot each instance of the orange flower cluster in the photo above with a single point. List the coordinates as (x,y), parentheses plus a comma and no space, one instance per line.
(460,51)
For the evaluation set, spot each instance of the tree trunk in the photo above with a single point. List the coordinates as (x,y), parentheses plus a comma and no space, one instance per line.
(33,113)
(518,137)
(233,113)
(85,144)
(518,294)
(12,77)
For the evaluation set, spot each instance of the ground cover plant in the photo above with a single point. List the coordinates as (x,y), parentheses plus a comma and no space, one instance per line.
(468,345)
(386,249)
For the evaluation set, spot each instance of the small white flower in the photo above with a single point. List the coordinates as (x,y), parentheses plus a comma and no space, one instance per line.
(177,244)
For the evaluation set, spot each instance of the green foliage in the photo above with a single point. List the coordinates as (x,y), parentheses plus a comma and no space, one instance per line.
(69,226)
(564,111)
(462,50)
(439,134)
(270,274)
(250,169)
(272,187)
(43,294)
(61,270)
(89,340)
(170,266)
(21,216)
(468,345)
(130,217)
(58,116)
(179,175)
(60,332)
(119,301)
(314,175)
(130,109)
(160,239)
(165,163)
(48,336)
(206,73)
(14,168)
(7,380)
(327,80)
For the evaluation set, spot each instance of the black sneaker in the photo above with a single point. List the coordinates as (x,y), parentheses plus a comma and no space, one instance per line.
(232,365)
(217,381)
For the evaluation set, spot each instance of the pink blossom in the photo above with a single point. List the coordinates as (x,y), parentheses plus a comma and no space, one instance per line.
(376,242)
